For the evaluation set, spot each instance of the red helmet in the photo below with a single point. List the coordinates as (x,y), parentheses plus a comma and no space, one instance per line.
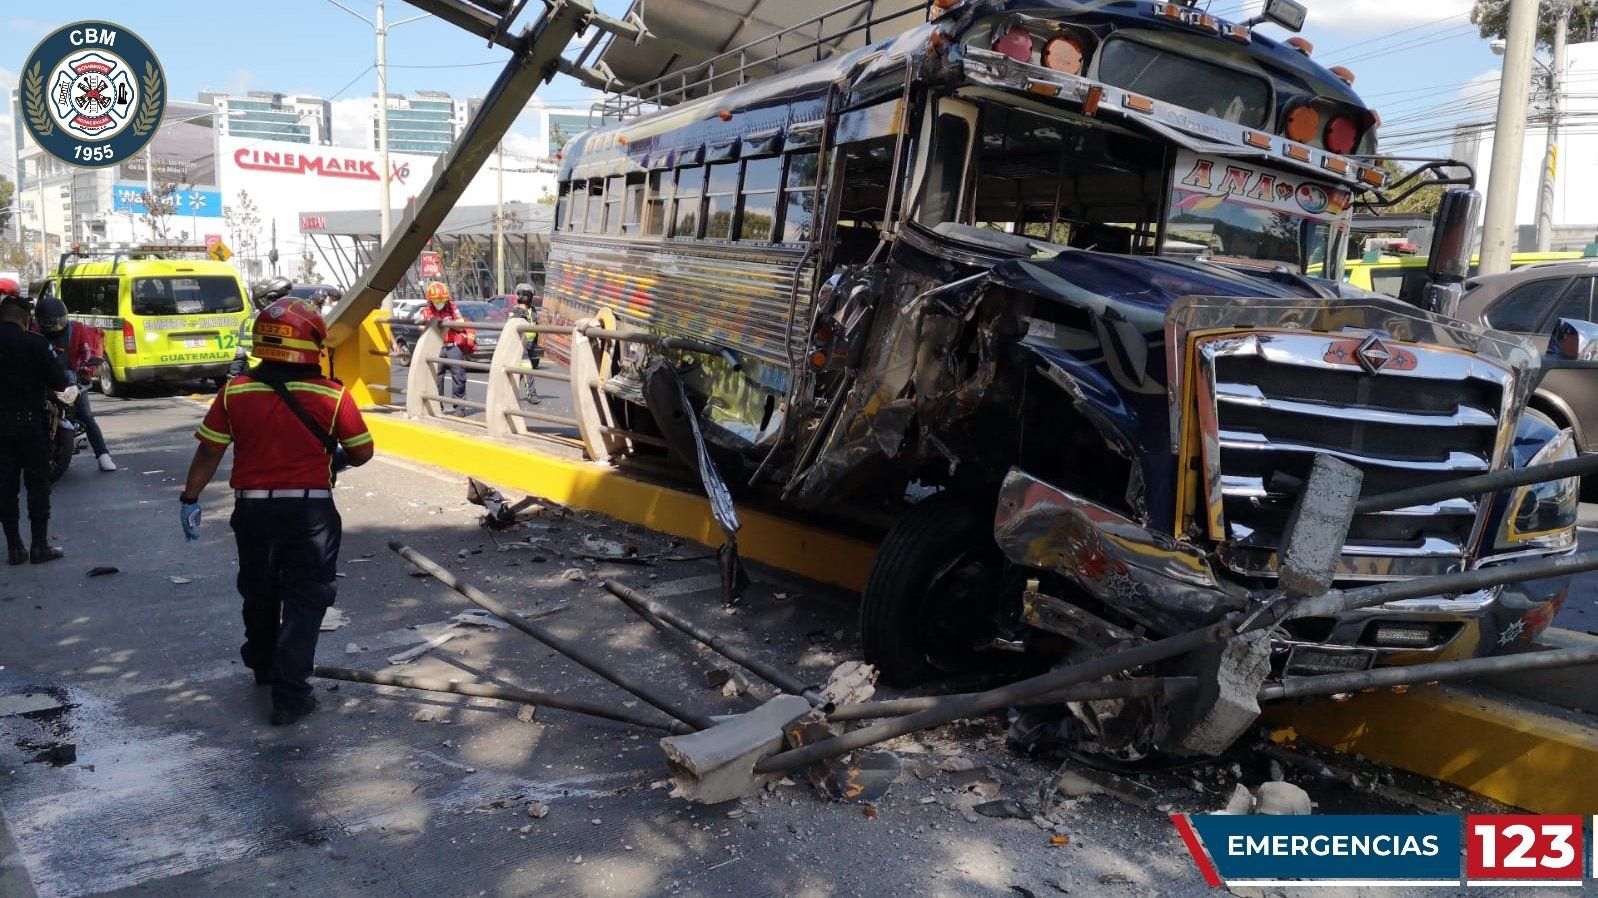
(9,287)
(437,293)
(289,330)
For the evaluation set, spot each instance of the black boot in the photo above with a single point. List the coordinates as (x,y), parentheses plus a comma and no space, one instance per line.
(16,552)
(42,551)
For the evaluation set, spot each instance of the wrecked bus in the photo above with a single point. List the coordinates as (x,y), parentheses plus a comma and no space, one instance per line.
(1043,263)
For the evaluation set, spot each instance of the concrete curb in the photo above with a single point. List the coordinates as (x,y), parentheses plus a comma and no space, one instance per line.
(801,549)
(1502,746)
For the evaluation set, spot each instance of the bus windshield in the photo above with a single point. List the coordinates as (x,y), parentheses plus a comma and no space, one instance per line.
(1227,207)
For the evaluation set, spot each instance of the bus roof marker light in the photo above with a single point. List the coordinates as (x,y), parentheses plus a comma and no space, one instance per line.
(1302,154)
(1333,163)
(1375,177)
(1141,104)
(1239,33)
(1301,45)
(725,115)
(1343,74)
(1257,140)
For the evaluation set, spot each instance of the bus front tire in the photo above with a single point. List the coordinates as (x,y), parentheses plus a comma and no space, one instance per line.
(934,590)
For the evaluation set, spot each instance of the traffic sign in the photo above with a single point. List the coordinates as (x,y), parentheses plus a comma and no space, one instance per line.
(218,250)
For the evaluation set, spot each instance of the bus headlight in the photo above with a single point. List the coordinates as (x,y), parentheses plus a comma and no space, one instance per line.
(1543,515)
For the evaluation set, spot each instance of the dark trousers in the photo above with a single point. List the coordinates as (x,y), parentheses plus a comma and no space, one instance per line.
(91,427)
(288,558)
(456,373)
(24,459)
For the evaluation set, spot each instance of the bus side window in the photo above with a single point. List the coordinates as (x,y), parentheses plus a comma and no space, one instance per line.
(615,195)
(799,198)
(561,207)
(758,200)
(690,181)
(577,211)
(596,206)
(632,212)
(721,195)
(662,184)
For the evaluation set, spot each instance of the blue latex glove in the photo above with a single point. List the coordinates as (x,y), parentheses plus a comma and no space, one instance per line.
(341,459)
(190,517)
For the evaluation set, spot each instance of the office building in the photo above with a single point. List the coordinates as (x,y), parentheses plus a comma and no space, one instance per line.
(266,115)
(425,123)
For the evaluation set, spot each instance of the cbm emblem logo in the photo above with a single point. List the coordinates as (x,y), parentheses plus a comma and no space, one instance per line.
(92,94)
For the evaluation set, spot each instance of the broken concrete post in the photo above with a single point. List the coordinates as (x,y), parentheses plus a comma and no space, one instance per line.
(1281,799)
(1318,527)
(718,764)
(1226,702)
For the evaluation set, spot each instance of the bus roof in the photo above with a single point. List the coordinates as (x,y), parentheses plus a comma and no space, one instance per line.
(795,99)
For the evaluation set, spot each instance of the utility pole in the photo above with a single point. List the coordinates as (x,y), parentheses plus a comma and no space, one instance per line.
(273,255)
(1509,138)
(499,221)
(382,124)
(1556,87)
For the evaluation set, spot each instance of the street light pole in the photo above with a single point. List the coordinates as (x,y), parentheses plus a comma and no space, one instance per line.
(382,123)
(1509,138)
(1556,87)
(499,221)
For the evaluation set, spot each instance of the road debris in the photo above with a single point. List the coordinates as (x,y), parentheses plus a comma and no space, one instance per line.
(411,654)
(537,810)
(573,575)
(103,571)
(180,581)
(1281,799)
(335,619)
(22,703)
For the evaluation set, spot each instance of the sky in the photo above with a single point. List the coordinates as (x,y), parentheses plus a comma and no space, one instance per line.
(1420,63)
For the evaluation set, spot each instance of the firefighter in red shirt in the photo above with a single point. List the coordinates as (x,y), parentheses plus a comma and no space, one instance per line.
(458,344)
(291,430)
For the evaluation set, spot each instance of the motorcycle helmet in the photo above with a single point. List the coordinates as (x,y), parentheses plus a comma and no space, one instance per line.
(290,330)
(271,290)
(51,313)
(438,294)
(10,289)
(525,289)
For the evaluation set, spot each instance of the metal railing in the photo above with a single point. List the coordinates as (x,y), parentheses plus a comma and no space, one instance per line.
(809,41)
(593,425)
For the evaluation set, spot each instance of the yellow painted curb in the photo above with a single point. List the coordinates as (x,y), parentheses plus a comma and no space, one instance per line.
(802,549)
(1493,745)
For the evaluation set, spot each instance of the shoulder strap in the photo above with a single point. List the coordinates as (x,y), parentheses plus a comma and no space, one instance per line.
(326,439)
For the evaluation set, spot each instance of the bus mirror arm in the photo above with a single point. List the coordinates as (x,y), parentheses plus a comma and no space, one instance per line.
(1415,180)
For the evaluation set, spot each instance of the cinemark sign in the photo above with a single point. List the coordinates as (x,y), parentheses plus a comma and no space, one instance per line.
(320,166)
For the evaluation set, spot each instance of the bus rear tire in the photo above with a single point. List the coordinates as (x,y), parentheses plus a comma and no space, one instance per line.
(934,590)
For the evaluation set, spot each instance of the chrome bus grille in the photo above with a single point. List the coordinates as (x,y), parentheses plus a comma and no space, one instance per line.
(1405,414)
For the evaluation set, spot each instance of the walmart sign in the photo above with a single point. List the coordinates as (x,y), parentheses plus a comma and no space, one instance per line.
(198,203)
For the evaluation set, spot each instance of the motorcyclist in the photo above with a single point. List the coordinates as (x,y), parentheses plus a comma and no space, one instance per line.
(458,343)
(75,346)
(527,307)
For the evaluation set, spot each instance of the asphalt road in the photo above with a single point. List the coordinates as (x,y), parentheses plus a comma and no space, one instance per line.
(180,788)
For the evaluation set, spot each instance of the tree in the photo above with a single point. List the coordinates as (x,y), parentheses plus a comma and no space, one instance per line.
(8,192)
(1421,202)
(1491,18)
(160,204)
(243,222)
(307,273)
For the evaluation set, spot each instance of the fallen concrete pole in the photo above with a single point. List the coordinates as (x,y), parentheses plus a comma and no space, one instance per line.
(1376,678)
(574,652)
(954,707)
(1153,687)
(503,693)
(648,608)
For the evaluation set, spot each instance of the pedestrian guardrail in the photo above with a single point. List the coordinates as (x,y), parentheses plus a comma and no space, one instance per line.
(503,410)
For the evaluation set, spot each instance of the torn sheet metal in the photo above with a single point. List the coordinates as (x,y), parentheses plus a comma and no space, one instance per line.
(1150,577)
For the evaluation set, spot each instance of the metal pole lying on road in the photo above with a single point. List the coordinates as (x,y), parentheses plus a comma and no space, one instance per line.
(1480,483)
(1164,687)
(575,653)
(958,706)
(1328,684)
(1446,584)
(776,677)
(503,693)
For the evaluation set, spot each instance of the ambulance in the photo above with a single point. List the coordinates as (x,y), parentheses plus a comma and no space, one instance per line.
(166,313)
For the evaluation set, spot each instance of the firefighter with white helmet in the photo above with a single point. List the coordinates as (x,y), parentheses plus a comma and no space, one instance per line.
(292,430)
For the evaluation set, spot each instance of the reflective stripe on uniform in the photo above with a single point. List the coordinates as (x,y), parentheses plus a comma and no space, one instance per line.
(207,433)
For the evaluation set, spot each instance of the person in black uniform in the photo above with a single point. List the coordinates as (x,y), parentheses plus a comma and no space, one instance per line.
(29,373)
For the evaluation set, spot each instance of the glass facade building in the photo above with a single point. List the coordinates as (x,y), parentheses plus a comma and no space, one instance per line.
(265,115)
(425,123)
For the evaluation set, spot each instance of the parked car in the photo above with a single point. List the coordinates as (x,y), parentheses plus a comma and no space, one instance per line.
(492,321)
(1530,301)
